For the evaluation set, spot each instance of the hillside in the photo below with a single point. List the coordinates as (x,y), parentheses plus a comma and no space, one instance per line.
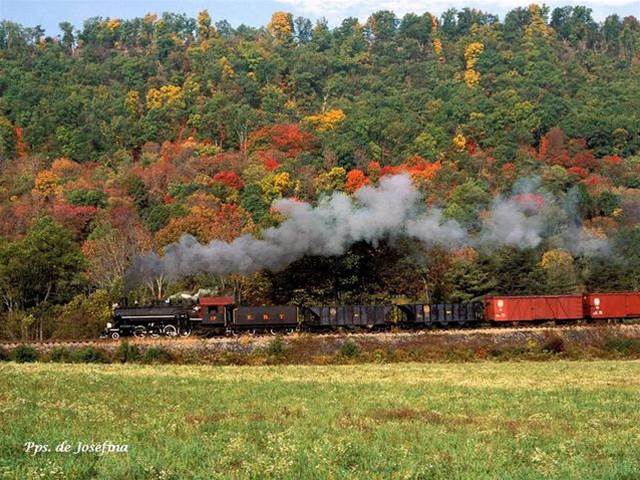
(120,136)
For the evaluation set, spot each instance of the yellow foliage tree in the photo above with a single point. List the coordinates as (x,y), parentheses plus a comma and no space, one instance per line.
(47,184)
(559,268)
(277,185)
(205,29)
(556,258)
(113,24)
(326,120)
(170,96)
(537,27)
(471,54)
(471,78)
(150,18)
(281,26)
(331,181)
(227,68)
(437,48)
(132,102)
(459,142)
(434,23)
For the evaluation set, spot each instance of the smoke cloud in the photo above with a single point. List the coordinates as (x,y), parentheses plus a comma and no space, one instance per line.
(393,209)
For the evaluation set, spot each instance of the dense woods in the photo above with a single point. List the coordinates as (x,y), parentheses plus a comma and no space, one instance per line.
(119,136)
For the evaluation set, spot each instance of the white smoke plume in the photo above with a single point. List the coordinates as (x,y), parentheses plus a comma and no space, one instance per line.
(393,209)
(509,224)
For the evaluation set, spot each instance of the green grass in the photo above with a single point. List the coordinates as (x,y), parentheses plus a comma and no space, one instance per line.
(481,420)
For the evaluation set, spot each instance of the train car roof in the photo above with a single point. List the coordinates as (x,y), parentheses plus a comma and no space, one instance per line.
(213,301)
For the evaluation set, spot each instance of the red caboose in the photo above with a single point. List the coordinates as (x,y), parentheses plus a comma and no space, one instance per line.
(612,305)
(533,308)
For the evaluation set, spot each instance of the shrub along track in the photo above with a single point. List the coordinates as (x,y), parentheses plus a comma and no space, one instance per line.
(631,328)
(599,340)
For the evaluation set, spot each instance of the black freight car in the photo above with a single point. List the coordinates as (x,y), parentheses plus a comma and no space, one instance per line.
(443,314)
(348,316)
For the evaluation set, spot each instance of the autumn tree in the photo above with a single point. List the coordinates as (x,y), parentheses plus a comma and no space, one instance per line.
(281,26)
(356,179)
(109,252)
(42,269)
(8,140)
(558,266)
(205,29)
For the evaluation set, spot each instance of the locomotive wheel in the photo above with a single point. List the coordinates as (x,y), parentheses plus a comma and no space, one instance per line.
(170,331)
(185,332)
(139,332)
(115,335)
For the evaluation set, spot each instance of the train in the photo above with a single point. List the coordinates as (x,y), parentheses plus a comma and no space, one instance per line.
(219,315)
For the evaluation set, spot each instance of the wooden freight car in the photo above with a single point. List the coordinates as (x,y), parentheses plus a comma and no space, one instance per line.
(534,308)
(612,305)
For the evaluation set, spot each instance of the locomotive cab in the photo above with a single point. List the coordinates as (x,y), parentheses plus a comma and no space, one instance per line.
(215,311)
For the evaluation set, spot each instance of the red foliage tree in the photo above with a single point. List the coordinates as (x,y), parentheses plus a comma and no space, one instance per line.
(355,179)
(157,176)
(289,139)
(270,159)
(21,147)
(584,159)
(612,160)
(509,170)
(578,171)
(75,218)
(552,145)
(230,179)
(529,202)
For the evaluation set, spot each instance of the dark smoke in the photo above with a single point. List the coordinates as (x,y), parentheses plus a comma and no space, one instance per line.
(392,209)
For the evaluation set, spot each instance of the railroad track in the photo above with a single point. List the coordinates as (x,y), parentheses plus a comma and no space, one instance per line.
(489,330)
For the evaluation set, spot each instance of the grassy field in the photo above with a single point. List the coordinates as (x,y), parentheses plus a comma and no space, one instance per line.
(480,420)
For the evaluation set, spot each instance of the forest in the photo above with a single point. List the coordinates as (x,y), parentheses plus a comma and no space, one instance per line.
(117,137)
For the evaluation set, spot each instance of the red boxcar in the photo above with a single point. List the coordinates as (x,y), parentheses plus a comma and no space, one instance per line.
(534,307)
(612,305)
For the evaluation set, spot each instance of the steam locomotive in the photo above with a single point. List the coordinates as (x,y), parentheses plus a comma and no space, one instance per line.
(221,315)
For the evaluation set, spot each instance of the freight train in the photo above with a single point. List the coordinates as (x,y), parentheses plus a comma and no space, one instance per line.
(221,315)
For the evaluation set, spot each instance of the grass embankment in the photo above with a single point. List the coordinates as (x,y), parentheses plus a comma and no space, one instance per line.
(458,420)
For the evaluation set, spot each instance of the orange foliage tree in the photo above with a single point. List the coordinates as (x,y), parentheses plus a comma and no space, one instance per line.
(226,223)
(289,139)
(355,180)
